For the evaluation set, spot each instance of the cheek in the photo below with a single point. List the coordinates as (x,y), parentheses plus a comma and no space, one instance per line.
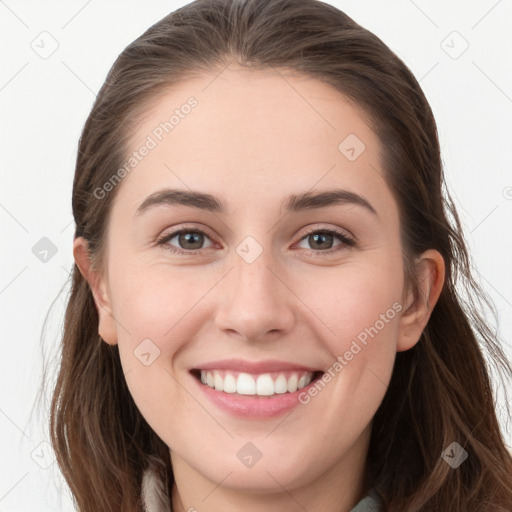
(359,315)
(353,300)
(148,311)
(156,312)
(151,300)
(357,312)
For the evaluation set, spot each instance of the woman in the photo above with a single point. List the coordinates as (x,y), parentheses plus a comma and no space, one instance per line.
(309,350)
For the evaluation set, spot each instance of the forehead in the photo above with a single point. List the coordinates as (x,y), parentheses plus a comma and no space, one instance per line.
(258,130)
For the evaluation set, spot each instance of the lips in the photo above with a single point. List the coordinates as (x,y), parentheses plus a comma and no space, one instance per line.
(255,367)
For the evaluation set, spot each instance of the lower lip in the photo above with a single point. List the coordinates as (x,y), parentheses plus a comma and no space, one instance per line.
(252,405)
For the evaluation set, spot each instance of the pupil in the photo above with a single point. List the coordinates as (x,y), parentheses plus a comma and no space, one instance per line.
(189,238)
(321,237)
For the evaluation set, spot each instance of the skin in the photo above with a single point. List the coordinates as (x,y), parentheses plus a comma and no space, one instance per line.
(255,138)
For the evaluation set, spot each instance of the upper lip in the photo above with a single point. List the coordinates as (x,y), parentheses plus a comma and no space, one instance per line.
(266,366)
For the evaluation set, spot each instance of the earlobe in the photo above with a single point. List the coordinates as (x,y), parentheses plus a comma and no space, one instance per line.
(97,284)
(418,307)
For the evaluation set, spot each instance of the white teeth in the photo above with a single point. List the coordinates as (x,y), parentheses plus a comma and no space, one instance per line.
(229,383)
(280,385)
(217,380)
(292,383)
(261,385)
(245,384)
(265,385)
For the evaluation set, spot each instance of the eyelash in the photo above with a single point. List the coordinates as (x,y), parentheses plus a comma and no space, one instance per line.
(346,240)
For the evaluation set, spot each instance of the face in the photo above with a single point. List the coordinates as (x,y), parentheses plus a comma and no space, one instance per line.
(260,274)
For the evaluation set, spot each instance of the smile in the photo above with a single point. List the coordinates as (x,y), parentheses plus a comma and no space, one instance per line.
(256,396)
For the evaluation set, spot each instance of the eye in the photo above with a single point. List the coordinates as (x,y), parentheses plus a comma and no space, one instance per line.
(323,239)
(189,240)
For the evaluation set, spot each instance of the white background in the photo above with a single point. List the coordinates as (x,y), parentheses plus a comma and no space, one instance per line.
(44,104)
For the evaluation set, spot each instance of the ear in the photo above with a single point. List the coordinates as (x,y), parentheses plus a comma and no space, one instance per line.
(430,271)
(97,283)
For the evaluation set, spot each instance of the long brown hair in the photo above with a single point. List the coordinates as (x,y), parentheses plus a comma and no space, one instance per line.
(440,391)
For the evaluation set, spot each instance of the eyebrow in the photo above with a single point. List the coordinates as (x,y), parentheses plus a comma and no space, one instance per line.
(294,203)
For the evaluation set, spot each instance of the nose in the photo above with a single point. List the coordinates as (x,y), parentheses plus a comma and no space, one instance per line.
(255,302)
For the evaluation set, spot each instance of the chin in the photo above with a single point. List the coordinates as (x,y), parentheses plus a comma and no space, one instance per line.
(267,476)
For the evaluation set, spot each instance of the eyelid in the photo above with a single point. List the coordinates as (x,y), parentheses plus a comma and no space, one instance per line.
(331,229)
(185,226)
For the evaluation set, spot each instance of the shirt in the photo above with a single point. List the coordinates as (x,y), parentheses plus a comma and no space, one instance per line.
(155,497)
